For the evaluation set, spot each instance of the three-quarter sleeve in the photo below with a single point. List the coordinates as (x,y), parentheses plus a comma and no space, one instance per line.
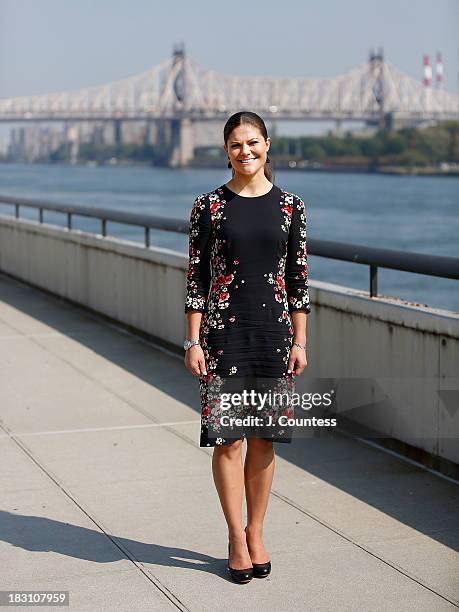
(199,272)
(296,266)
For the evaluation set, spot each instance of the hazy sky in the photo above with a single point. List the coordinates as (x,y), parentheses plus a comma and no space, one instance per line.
(49,45)
(52,45)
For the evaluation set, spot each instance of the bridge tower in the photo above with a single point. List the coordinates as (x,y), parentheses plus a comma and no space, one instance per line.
(176,133)
(376,71)
(71,132)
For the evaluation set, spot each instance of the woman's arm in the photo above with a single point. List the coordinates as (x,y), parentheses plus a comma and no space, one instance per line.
(198,276)
(296,284)
(299,319)
(197,280)
(193,324)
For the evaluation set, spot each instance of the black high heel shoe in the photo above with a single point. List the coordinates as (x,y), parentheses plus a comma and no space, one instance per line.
(260,570)
(241,576)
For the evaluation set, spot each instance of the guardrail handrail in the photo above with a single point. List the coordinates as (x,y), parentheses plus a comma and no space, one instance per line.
(418,263)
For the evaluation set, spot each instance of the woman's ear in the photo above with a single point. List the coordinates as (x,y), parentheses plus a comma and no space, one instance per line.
(268,142)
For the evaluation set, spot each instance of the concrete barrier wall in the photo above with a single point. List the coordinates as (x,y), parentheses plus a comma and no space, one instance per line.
(394,366)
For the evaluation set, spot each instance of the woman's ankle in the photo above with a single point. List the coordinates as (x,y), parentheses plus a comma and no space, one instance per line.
(255,529)
(236,534)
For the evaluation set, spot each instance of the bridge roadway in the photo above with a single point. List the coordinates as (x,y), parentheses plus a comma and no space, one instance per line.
(106,493)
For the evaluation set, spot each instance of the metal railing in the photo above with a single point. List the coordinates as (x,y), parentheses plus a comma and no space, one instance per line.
(419,263)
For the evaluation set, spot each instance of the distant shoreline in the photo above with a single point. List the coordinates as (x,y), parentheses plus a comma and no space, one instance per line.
(343,169)
(338,169)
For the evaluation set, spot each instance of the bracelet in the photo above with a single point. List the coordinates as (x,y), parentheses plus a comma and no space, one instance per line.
(303,346)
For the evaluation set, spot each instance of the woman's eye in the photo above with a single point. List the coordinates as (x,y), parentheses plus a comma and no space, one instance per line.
(252,142)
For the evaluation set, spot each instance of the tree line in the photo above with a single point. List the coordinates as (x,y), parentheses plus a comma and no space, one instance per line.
(409,146)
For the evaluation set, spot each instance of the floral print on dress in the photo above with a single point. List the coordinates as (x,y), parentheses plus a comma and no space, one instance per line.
(214,433)
(247,273)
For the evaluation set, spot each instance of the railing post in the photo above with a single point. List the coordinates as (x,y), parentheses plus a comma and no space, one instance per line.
(104,227)
(40,215)
(373,281)
(16,211)
(69,221)
(147,237)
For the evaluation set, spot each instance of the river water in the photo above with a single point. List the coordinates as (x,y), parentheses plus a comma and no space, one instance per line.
(409,213)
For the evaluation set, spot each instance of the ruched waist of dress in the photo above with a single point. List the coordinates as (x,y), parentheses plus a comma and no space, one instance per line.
(247,278)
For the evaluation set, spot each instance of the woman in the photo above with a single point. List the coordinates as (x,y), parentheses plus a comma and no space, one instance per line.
(246,302)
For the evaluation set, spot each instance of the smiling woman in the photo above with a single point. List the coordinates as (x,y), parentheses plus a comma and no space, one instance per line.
(246,303)
(247,144)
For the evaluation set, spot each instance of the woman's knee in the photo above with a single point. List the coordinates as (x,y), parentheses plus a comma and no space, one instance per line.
(230,448)
(259,443)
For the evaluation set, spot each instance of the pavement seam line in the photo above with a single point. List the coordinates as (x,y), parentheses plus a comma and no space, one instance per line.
(93,429)
(367,550)
(56,334)
(124,400)
(188,440)
(273,492)
(398,456)
(97,383)
(120,329)
(162,588)
(389,451)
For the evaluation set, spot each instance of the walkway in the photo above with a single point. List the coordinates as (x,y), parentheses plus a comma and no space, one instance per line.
(106,493)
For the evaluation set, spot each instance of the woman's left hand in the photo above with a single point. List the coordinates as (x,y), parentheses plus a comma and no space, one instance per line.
(297,360)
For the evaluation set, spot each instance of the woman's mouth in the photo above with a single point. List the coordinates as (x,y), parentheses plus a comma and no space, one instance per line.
(248,161)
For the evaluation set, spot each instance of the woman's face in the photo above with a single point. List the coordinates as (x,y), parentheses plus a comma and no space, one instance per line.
(247,150)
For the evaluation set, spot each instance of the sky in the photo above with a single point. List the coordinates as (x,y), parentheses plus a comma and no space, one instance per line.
(54,45)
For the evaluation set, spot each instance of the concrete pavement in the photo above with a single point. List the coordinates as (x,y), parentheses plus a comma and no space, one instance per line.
(105,492)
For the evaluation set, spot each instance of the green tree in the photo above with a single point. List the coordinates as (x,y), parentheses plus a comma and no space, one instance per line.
(371,147)
(434,144)
(395,143)
(413,158)
(315,152)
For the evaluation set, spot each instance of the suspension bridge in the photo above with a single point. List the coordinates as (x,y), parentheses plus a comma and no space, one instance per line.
(178,92)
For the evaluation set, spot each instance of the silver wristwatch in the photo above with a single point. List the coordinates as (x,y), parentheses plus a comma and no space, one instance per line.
(189,343)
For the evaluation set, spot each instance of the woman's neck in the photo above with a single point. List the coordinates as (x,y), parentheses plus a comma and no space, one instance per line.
(249,186)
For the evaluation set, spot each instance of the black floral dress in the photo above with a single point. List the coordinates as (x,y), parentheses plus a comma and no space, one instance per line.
(247,272)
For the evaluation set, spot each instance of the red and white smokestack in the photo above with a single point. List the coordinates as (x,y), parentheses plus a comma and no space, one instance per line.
(439,71)
(427,72)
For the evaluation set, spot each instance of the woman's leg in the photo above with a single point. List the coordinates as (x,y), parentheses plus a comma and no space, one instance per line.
(228,472)
(258,474)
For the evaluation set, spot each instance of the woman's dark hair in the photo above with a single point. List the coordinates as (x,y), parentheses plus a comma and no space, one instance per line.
(252,119)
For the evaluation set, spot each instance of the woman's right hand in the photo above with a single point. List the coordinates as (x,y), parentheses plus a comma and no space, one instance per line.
(195,361)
